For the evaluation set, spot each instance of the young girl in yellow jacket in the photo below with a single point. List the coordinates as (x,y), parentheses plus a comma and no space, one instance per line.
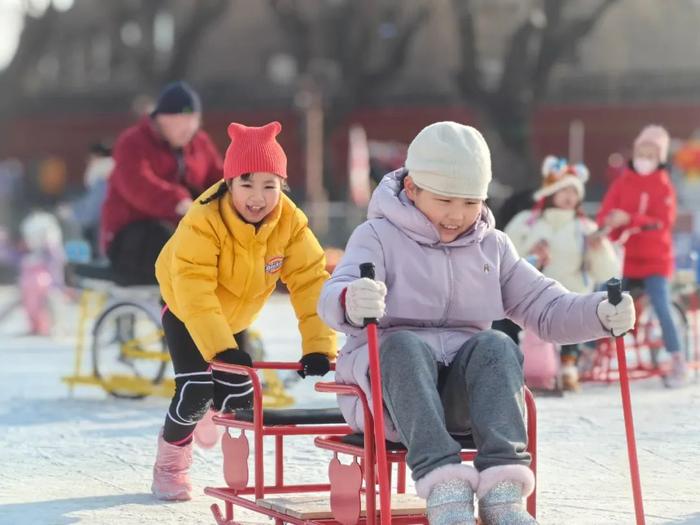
(215,275)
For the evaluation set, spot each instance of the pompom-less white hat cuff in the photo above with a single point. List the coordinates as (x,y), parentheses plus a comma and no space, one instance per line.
(447,186)
(551,189)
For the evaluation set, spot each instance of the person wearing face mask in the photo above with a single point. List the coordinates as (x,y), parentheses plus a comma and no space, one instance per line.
(161,164)
(558,239)
(642,201)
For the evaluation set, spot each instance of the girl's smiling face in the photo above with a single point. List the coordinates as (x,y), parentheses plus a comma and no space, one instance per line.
(255,195)
(451,216)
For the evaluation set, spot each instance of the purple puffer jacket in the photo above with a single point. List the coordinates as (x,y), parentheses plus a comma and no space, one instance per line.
(444,293)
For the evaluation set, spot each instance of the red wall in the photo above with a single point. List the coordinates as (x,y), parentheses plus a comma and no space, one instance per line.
(68,136)
(608,129)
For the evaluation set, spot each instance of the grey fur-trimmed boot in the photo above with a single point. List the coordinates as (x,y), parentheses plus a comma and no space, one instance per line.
(449,493)
(501,492)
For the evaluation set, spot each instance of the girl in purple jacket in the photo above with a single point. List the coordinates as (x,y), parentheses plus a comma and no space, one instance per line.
(443,274)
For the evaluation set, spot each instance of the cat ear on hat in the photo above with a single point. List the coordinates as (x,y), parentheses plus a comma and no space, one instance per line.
(235,129)
(266,132)
(273,128)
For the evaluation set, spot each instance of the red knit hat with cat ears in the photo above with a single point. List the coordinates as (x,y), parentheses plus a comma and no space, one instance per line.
(254,149)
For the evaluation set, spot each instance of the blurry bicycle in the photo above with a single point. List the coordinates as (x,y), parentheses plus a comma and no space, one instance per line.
(129,356)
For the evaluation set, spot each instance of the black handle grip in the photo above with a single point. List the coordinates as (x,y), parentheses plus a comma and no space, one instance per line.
(614,287)
(367,270)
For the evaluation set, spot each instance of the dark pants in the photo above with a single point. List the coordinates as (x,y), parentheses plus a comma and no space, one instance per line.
(479,394)
(194,388)
(134,250)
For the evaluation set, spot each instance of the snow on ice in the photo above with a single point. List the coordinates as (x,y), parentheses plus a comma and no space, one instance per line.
(87,458)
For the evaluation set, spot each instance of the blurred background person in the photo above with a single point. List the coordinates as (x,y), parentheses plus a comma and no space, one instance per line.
(41,270)
(81,217)
(160,165)
(641,205)
(558,239)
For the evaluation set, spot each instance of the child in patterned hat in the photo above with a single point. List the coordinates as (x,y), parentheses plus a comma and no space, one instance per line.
(558,238)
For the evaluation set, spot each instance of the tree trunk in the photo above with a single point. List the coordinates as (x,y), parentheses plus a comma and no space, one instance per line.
(508,134)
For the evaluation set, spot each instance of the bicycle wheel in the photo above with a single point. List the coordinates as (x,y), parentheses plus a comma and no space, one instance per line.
(653,335)
(129,351)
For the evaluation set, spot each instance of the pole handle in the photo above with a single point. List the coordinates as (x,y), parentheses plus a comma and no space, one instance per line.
(614,289)
(367,271)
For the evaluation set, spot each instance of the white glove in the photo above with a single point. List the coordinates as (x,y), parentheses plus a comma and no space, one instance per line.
(620,318)
(364,298)
(182,206)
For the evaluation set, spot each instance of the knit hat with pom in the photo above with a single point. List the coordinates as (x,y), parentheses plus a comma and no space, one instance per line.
(557,174)
(254,149)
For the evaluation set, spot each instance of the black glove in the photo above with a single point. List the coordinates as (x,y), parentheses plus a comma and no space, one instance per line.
(232,391)
(314,365)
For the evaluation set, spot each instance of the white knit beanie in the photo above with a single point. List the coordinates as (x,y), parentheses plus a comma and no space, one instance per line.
(450,159)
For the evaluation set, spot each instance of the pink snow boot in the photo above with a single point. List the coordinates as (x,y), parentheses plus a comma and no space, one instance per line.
(206,435)
(170,473)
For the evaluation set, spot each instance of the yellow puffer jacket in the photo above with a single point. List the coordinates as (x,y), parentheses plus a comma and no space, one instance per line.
(216,273)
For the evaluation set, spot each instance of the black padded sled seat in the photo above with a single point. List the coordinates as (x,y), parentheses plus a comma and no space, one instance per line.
(294,416)
(99,271)
(358,440)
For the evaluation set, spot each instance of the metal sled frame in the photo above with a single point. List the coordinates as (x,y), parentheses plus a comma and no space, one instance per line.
(351,496)
(604,366)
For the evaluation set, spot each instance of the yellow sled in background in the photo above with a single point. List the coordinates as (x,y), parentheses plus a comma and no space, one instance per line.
(129,354)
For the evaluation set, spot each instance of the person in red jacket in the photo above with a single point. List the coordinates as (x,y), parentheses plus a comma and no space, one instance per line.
(642,202)
(161,164)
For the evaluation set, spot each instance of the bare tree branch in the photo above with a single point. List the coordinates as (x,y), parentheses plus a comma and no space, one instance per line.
(345,34)
(534,48)
(203,16)
(334,48)
(33,42)
(145,55)
(469,77)
(295,27)
(353,33)
(119,14)
(517,63)
(396,58)
(561,38)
